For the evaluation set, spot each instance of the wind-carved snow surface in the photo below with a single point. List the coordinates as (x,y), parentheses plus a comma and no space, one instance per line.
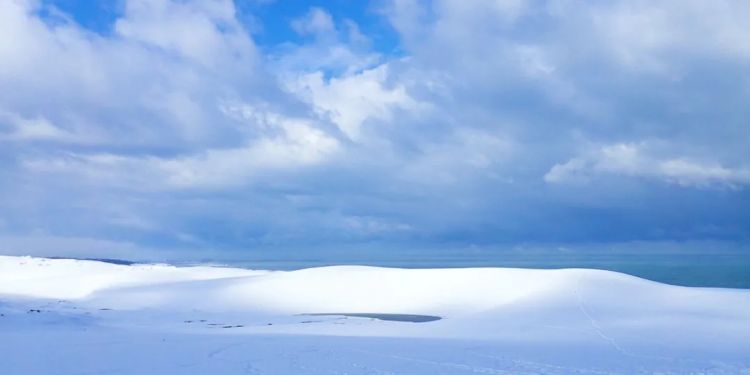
(87,317)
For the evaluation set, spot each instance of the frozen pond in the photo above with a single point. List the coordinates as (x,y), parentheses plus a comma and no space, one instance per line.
(389,317)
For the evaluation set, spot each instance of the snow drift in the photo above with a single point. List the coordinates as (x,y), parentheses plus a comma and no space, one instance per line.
(548,317)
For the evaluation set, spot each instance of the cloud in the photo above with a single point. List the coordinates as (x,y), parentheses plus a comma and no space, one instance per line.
(204,31)
(633,160)
(148,80)
(647,35)
(29,129)
(337,47)
(297,144)
(351,100)
(52,246)
(316,22)
(489,122)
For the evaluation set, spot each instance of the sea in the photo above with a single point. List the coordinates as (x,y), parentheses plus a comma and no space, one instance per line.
(696,267)
(704,264)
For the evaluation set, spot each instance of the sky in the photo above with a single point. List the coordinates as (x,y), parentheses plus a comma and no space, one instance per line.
(133,128)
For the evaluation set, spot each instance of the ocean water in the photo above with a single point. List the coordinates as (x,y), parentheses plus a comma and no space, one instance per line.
(698,264)
(729,269)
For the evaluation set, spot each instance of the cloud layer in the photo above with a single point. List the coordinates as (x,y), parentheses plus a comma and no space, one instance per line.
(496,122)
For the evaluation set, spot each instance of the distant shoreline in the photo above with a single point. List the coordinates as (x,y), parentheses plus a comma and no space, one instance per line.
(681,270)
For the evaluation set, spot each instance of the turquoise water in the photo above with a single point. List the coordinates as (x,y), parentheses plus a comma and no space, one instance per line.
(713,269)
(702,264)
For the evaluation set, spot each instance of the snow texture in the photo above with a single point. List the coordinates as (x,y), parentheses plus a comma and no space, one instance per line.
(86,317)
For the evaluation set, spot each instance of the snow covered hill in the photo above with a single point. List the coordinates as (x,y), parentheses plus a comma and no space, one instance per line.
(86,317)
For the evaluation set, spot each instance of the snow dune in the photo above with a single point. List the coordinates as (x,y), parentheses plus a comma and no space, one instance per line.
(494,320)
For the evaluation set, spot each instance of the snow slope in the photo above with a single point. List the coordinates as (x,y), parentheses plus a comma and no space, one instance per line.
(87,317)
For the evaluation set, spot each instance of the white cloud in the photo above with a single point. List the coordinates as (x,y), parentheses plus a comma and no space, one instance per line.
(464,156)
(176,105)
(162,81)
(353,99)
(297,143)
(338,47)
(316,22)
(27,129)
(168,64)
(649,35)
(461,13)
(372,226)
(300,145)
(634,160)
(204,31)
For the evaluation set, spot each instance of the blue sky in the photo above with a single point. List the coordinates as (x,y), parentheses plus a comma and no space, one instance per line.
(135,128)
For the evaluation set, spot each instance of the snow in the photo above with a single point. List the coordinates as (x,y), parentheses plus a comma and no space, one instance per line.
(86,317)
